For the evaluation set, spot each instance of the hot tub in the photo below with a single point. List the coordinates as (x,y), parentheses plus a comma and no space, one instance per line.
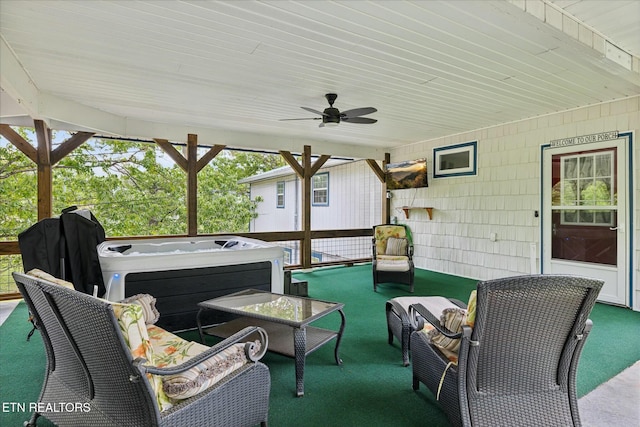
(181,272)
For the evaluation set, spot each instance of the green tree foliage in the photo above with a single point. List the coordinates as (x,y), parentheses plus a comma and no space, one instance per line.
(596,193)
(223,204)
(131,187)
(18,191)
(126,187)
(134,190)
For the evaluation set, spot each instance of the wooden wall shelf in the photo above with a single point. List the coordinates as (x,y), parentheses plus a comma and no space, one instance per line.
(406,210)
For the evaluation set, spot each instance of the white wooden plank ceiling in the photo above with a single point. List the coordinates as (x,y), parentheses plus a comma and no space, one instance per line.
(229,70)
(616,19)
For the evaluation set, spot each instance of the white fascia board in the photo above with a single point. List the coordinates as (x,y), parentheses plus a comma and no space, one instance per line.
(249,140)
(73,116)
(79,116)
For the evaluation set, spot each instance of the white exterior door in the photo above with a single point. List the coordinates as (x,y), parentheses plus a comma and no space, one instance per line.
(585,189)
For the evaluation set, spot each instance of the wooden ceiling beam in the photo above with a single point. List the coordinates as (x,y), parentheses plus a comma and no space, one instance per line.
(377,170)
(69,145)
(171,151)
(319,163)
(208,156)
(19,142)
(291,161)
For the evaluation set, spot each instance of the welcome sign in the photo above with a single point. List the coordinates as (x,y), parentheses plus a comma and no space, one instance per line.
(584,139)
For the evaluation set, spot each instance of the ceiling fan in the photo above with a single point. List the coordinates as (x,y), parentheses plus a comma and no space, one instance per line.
(332,116)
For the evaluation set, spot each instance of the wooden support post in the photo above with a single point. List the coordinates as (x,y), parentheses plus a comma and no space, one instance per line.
(192,185)
(45,180)
(305,173)
(44,158)
(306,207)
(386,202)
(191,165)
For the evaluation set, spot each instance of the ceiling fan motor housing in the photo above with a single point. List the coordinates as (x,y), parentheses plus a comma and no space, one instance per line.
(331,115)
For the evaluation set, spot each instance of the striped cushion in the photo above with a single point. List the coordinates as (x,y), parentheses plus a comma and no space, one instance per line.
(396,246)
(452,319)
(393,263)
(207,373)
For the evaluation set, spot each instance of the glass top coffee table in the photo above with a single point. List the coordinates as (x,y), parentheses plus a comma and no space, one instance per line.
(286,319)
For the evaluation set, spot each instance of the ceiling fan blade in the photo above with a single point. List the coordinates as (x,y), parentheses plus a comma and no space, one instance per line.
(362,120)
(311,110)
(358,112)
(306,118)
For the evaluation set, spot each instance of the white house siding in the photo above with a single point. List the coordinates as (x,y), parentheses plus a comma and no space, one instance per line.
(355,195)
(355,201)
(503,196)
(271,218)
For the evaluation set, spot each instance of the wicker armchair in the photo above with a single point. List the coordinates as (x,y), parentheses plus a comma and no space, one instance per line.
(392,259)
(517,366)
(91,368)
(399,323)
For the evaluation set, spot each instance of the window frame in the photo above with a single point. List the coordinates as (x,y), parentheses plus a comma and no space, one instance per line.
(279,204)
(471,150)
(315,189)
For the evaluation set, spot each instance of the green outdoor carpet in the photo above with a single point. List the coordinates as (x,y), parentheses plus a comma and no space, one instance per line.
(371,388)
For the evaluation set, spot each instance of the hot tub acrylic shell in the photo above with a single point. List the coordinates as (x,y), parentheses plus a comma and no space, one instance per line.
(183,253)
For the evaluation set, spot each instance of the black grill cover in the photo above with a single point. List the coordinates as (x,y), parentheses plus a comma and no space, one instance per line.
(66,248)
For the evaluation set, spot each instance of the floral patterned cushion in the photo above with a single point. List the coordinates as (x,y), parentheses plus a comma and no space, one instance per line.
(134,331)
(471,308)
(382,233)
(169,349)
(148,304)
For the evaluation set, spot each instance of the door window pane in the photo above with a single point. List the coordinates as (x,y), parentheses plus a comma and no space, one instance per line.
(584,204)
(587,182)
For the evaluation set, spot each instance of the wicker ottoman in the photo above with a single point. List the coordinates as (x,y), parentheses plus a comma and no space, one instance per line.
(399,324)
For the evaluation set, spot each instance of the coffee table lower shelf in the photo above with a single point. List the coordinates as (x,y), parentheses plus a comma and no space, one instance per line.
(284,340)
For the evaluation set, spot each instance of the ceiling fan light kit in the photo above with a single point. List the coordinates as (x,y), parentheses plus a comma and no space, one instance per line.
(332,116)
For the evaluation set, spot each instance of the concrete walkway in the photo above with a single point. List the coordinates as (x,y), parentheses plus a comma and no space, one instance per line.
(614,403)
